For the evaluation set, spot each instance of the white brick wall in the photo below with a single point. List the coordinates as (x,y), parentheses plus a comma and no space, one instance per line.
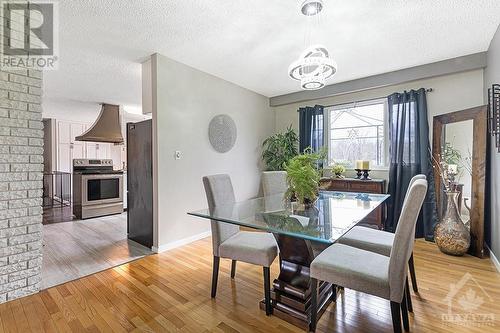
(21,166)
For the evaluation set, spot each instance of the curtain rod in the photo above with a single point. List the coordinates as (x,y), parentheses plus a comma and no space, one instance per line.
(368,99)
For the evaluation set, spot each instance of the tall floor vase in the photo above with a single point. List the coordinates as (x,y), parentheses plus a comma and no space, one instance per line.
(451,235)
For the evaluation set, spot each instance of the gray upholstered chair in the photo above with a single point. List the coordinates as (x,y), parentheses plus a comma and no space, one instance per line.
(274,187)
(380,242)
(370,272)
(274,182)
(229,242)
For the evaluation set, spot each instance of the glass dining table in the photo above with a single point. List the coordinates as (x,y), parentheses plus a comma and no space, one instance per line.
(301,234)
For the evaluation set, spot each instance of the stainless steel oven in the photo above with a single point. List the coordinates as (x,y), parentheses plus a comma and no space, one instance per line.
(102,189)
(97,188)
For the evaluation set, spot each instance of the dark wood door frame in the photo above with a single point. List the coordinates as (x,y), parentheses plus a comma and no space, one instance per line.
(479,157)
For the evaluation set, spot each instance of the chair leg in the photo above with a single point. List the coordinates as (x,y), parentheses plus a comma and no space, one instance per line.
(267,291)
(215,275)
(396,317)
(334,293)
(408,296)
(314,305)
(233,268)
(404,312)
(411,265)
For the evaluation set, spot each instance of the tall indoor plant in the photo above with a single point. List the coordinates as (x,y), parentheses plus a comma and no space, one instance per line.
(279,148)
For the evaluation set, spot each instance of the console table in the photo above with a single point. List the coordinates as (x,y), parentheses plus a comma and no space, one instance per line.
(376,186)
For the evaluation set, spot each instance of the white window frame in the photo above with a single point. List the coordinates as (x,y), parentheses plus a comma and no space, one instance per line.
(326,125)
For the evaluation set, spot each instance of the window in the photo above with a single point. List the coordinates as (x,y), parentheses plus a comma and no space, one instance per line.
(358,131)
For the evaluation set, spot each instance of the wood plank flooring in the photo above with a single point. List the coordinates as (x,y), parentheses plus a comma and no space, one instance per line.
(58,214)
(170,292)
(78,248)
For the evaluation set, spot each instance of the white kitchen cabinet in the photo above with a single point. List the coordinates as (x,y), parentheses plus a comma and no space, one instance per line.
(103,150)
(91,150)
(64,157)
(67,147)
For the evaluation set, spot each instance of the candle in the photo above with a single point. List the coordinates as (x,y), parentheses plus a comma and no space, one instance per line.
(362,165)
(452,168)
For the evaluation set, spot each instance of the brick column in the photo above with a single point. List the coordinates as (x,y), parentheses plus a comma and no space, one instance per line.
(21,166)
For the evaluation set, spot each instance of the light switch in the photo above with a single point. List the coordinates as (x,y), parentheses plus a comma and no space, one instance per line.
(177,155)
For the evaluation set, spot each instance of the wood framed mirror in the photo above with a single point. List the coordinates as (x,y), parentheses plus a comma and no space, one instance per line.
(465,133)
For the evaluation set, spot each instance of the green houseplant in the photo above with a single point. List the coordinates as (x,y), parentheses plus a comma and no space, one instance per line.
(279,148)
(338,170)
(303,177)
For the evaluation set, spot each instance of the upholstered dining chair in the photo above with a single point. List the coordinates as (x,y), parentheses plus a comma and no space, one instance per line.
(274,188)
(381,242)
(229,242)
(371,272)
(274,182)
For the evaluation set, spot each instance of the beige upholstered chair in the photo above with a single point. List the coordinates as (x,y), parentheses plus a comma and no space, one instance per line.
(229,242)
(380,242)
(370,272)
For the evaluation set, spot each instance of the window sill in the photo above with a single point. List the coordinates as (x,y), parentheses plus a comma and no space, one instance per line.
(378,168)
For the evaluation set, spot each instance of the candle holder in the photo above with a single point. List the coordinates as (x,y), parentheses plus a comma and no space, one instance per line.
(366,175)
(358,173)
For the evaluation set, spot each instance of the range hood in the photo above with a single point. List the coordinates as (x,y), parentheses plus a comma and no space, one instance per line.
(106,128)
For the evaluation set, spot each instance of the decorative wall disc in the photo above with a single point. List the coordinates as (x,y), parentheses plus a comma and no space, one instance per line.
(222,133)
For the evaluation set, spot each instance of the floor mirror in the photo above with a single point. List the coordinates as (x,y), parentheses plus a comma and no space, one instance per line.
(460,138)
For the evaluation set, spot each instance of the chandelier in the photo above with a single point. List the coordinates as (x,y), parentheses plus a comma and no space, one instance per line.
(314,65)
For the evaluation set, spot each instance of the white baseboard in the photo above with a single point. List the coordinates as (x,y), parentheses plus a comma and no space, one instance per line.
(494,260)
(180,242)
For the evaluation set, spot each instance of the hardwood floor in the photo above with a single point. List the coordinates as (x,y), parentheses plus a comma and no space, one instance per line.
(170,292)
(78,248)
(57,215)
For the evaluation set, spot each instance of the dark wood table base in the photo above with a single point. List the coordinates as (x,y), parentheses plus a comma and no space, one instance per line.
(291,293)
(298,314)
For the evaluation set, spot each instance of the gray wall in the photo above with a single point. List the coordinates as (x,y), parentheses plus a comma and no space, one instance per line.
(21,165)
(185,100)
(492,75)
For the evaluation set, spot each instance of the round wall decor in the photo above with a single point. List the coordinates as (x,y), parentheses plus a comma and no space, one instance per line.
(222,133)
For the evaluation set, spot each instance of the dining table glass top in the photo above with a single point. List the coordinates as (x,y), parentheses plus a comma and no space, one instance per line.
(333,214)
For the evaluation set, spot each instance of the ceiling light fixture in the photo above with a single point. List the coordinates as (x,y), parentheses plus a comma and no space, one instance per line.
(311,7)
(314,65)
(313,68)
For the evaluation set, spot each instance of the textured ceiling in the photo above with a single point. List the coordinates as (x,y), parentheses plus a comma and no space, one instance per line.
(252,42)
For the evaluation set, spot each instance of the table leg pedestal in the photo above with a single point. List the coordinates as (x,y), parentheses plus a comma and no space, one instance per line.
(291,294)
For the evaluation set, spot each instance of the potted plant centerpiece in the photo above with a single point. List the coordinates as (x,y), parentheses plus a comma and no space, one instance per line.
(303,178)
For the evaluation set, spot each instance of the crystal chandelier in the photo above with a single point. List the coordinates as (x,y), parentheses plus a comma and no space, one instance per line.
(314,65)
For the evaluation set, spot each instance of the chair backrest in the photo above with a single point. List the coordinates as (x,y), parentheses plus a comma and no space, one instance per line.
(417,177)
(273,182)
(219,191)
(404,238)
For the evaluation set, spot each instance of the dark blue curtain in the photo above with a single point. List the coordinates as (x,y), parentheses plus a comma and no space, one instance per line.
(311,128)
(410,155)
